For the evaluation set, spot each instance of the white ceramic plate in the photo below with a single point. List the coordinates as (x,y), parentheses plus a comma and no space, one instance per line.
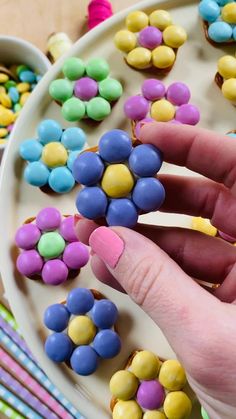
(195,65)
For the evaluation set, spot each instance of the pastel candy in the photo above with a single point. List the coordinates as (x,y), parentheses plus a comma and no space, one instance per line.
(123,385)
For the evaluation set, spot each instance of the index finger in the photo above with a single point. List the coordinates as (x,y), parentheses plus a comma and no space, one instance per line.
(210,154)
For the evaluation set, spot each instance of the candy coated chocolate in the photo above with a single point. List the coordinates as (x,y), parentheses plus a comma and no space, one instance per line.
(73,109)
(85,88)
(177,405)
(227,66)
(61,180)
(136,21)
(51,245)
(229,89)
(117,181)
(150,394)
(67,229)
(54,272)
(123,385)
(27,236)
(92,202)
(160,19)
(84,360)
(36,174)
(125,40)
(58,347)
(153,89)
(48,219)
(163,56)
(139,58)
(148,194)
(150,37)
(54,155)
(80,301)
(122,212)
(178,93)
(56,317)
(145,160)
(145,365)
(104,314)
(29,263)
(31,150)
(107,343)
(172,375)
(174,36)
(98,108)
(73,68)
(73,138)
(61,90)
(187,114)
(110,89)
(220,31)
(209,10)
(162,110)
(88,168)
(115,146)
(154,414)
(75,255)
(81,330)
(127,409)
(97,68)
(136,107)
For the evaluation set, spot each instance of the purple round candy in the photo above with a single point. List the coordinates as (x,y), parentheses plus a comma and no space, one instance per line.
(227,237)
(150,394)
(27,236)
(178,93)
(85,88)
(187,114)
(48,219)
(75,255)
(139,125)
(153,89)
(67,229)
(29,263)
(54,272)
(150,37)
(136,107)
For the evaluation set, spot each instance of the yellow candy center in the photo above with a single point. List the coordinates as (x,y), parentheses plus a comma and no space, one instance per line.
(81,330)
(54,154)
(162,110)
(117,181)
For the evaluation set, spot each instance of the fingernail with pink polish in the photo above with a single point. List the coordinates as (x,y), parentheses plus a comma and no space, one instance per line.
(107,245)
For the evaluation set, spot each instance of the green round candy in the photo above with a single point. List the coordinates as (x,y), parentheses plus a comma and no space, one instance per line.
(17,107)
(97,68)
(73,68)
(9,83)
(73,109)
(110,89)
(61,90)
(98,108)
(51,245)
(21,68)
(204,414)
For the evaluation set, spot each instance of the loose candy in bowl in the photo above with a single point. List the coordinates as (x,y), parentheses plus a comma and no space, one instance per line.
(120,180)
(150,40)
(225,77)
(49,248)
(50,157)
(86,91)
(149,388)
(84,330)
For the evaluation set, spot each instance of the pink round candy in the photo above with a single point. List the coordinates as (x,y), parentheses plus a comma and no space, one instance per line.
(75,255)
(85,88)
(153,89)
(227,237)
(150,37)
(54,272)
(136,107)
(187,114)
(29,263)
(178,93)
(150,394)
(27,236)
(139,125)
(67,229)
(48,219)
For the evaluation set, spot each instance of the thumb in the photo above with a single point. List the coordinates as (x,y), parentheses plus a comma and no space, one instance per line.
(154,281)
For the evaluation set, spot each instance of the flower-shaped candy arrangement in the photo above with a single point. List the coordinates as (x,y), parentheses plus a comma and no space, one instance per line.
(150,41)
(50,249)
(86,91)
(150,389)
(225,77)
(219,18)
(119,180)
(51,156)
(83,330)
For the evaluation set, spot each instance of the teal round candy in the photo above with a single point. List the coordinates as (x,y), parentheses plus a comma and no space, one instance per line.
(61,90)
(73,109)
(31,150)
(220,31)
(73,68)
(98,108)
(97,68)
(73,138)
(61,180)
(51,245)
(110,89)
(36,174)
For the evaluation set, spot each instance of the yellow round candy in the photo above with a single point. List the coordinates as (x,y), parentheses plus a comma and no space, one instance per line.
(3,132)
(117,181)
(24,97)
(229,89)
(125,40)
(174,36)
(162,110)
(160,19)
(139,58)
(23,87)
(177,405)
(54,154)
(5,100)
(227,66)
(127,410)
(204,225)
(6,116)
(228,13)
(123,385)
(154,414)
(172,375)
(2,89)
(3,78)
(81,330)
(163,57)
(145,365)
(136,21)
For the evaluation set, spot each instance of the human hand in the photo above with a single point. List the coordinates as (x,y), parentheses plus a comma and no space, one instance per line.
(155,265)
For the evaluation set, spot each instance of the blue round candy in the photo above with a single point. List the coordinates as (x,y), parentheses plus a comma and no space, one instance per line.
(27,76)
(231,134)
(122,212)
(209,10)
(145,160)
(107,343)
(115,146)
(61,180)
(58,347)
(56,317)
(14,94)
(31,150)
(80,301)
(49,131)
(71,159)
(84,360)
(73,138)
(91,202)
(148,194)
(88,168)
(104,314)
(220,31)
(36,174)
